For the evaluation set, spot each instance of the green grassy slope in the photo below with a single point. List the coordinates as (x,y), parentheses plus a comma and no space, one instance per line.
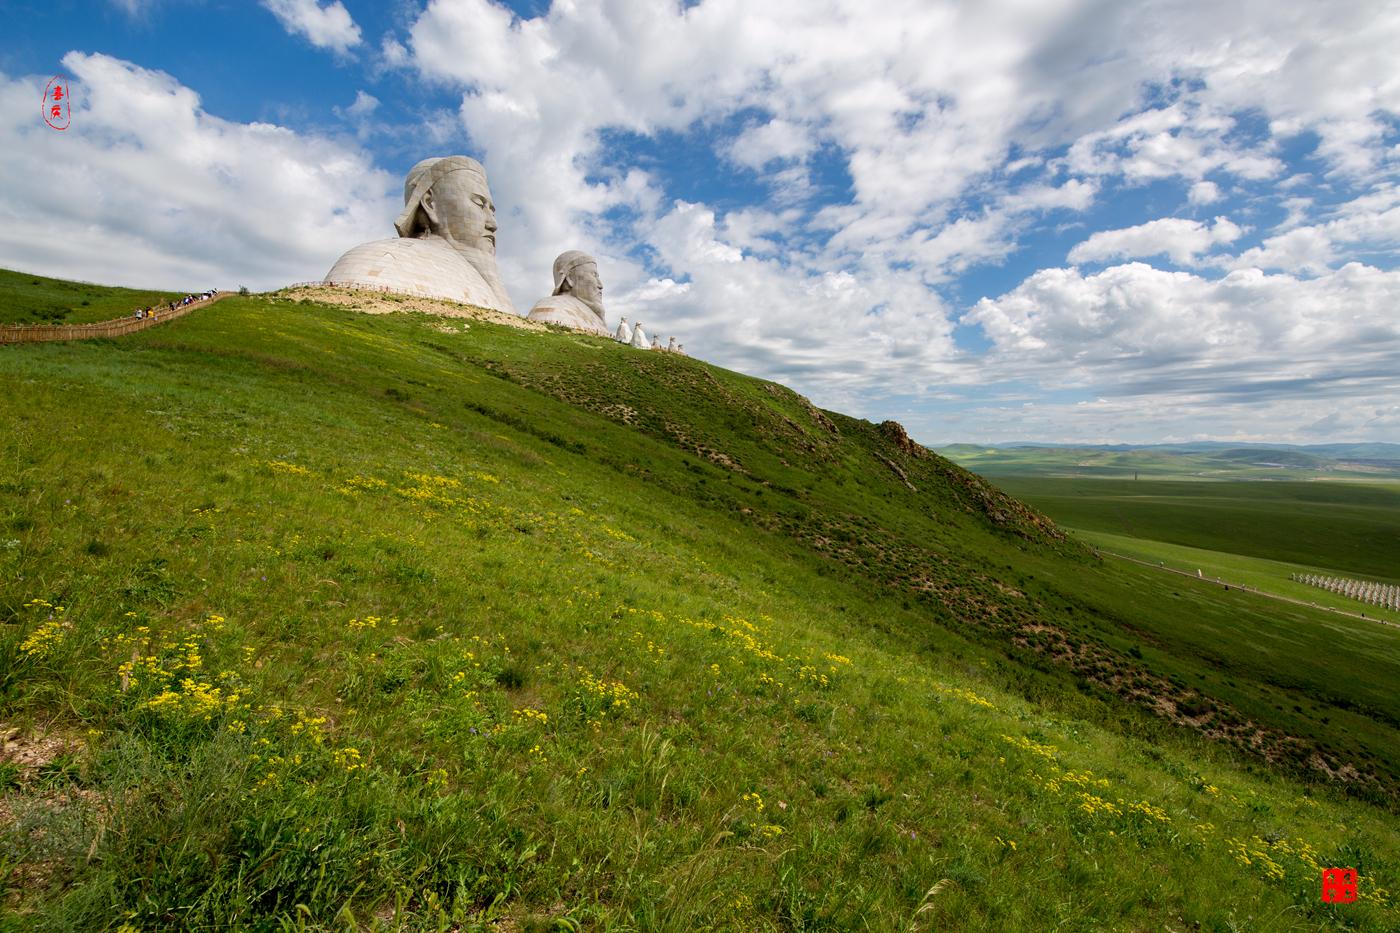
(1346,528)
(34,299)
(399,618)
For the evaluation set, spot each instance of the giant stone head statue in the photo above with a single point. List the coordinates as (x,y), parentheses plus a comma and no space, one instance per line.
(446,243)
(448,197)
(576,273)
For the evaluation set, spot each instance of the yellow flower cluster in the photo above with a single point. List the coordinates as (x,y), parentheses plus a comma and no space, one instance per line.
(45,639)
(357,484)
(530,714)
(193,700)
(1082,779)
(614,693)
(1035,748)
(369,622)
(965,695)
(652,648)
(347,758)
(1149,811)
(1095,805)
(281,466)
(1255,852)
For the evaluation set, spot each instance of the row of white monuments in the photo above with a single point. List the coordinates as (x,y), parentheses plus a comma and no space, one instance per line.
(1376,594)
(446,248)
(636,337)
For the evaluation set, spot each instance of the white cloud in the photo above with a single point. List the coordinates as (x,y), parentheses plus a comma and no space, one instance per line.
(1204,192)
(1181,240)
(1133,330)
(364,105)
(327,27)
(1370,222)
(774,141)
(171,196)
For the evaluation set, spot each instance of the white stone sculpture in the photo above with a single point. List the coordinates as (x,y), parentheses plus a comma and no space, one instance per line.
(639,337)
(577,301)
(656,343)
(671,347)
(446,246)
(680,348)
(624,333)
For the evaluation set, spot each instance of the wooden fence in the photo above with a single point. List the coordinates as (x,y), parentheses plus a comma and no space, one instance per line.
(37,333)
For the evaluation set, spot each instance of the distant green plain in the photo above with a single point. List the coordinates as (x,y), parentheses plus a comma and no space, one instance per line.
(1347,529)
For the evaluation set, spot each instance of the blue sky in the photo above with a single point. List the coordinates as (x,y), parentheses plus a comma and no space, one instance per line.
(1062,221)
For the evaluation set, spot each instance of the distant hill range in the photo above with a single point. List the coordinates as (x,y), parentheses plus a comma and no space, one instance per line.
(1203,460)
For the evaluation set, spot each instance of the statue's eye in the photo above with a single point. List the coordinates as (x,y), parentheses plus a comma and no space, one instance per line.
(481,202)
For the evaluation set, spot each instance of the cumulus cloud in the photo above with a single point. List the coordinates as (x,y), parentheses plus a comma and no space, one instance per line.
(171,196)
(1182,241)
(1369,223)
(327,27)
(1132,330)
(1204,192)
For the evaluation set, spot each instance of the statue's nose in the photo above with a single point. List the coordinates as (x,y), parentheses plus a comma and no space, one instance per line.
(491,222)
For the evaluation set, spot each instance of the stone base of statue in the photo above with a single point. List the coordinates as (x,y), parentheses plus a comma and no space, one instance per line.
(570,312)
(428,267)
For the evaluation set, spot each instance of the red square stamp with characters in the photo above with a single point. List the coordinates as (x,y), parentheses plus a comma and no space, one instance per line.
(1338,885)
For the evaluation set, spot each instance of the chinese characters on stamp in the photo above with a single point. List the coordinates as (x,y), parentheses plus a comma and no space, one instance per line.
(56,110)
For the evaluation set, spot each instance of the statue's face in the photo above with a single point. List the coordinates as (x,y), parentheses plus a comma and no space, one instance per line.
(586,284)
(460,206)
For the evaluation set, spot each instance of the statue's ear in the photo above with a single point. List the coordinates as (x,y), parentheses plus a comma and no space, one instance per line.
(566,285)
(429,208)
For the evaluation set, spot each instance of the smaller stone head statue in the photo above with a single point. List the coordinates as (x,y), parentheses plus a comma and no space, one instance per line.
(576,273)
(577,299)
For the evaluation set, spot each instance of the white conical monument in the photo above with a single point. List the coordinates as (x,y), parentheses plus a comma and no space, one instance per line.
(624,333)
(639,337)
(656,343)
(671,347)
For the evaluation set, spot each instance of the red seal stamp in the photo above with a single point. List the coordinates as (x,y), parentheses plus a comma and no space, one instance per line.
(56,111)
(1339,885)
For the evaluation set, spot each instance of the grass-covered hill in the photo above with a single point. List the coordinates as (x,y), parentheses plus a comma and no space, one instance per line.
(315,619)
(34,299)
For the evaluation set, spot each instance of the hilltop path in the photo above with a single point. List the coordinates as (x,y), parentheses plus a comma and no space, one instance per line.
(117,327)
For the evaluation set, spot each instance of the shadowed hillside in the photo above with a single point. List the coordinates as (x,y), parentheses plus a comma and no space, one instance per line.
(411,619)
